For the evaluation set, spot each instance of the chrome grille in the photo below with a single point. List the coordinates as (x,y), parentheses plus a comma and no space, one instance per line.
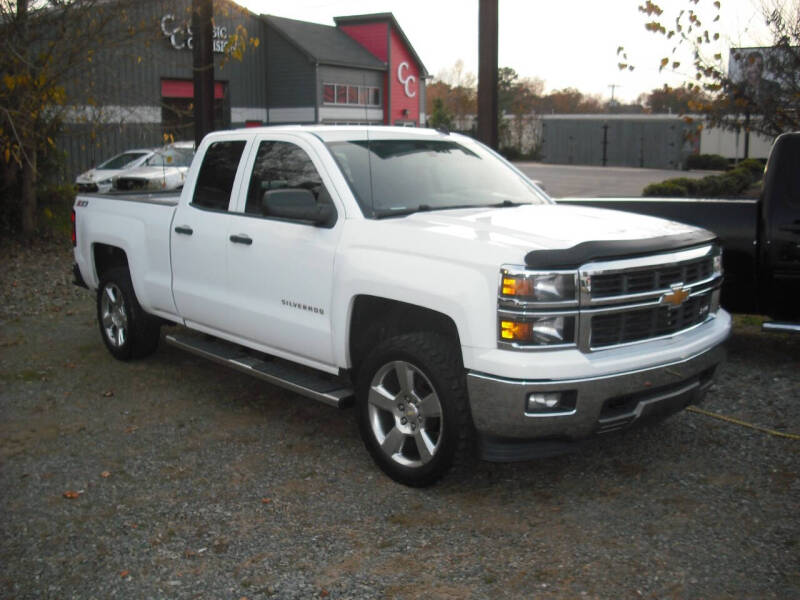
(632,300)
(87,188)
(645,323)
(649,279)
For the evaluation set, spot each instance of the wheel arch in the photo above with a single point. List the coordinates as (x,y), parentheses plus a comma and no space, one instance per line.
(374,319)
(106,257)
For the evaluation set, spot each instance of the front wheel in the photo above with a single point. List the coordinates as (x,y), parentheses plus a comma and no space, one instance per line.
(412,407)
(128,331)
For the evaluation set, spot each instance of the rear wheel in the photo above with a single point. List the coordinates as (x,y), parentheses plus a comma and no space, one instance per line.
(412,407)
(127,331)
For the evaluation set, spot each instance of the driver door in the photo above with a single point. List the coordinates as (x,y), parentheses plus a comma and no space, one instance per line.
(280,269)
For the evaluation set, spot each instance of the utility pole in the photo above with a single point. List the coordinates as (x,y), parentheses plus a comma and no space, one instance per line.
(202,38)
(747,133)
(487,72)
(613,87)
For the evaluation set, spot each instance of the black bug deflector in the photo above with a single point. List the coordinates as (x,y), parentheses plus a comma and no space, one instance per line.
(575,256)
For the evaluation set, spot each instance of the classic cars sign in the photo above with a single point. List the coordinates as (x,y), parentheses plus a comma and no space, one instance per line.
(180,34)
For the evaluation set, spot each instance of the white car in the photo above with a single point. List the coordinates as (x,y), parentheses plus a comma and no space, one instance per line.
(100,178)
(164,170)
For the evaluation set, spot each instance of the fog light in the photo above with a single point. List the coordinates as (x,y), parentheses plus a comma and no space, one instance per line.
(543,401)
(551,403)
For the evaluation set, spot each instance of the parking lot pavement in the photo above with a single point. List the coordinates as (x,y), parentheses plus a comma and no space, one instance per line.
(564,181)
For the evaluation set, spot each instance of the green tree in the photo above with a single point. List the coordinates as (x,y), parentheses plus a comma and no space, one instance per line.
(440,116)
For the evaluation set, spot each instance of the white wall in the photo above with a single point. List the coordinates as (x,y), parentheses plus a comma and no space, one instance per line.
(731,145)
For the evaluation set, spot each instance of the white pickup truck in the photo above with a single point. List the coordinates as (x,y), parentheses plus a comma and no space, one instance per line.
(419,274)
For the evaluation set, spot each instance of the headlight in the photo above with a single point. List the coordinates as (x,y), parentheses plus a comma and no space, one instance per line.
(525,286)
(545,330)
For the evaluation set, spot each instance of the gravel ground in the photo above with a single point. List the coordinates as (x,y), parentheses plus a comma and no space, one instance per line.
(192,481)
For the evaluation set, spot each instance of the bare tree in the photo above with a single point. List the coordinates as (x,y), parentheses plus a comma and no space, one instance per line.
(759,91)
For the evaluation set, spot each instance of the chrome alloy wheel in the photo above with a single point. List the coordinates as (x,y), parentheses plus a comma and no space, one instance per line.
(405,414)
(113,315)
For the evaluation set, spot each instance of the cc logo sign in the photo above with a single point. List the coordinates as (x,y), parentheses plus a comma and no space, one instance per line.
(180,35)
(408,81)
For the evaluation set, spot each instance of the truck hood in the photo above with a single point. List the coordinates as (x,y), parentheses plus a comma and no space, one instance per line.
(512,235)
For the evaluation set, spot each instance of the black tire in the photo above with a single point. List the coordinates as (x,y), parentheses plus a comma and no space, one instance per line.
(430,414)
(127,331)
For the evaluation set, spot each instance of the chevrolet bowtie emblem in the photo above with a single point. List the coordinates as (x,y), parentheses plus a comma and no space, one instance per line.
(676,297)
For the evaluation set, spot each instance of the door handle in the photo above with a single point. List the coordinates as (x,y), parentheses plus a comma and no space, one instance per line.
(241,239)
(184,229)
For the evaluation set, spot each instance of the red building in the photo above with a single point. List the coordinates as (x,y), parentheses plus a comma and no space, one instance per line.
(404,81)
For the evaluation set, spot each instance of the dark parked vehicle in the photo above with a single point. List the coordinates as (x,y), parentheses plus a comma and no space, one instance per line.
(760,238)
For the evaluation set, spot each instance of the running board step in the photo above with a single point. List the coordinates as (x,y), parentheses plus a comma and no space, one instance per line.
(276,371)
(782,327)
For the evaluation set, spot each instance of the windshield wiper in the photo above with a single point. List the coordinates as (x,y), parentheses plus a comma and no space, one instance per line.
(506,203)
(402,212)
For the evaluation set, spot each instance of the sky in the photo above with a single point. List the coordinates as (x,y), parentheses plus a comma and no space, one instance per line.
(566,43)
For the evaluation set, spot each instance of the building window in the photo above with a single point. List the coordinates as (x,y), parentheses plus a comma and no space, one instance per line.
(353,95)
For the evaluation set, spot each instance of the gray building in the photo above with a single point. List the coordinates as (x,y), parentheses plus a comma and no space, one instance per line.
(651,141)
(140,93)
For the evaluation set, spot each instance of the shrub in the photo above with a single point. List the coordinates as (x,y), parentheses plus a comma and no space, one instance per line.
(513,153)
(741,177)
(727,185)
(510,153)
(707,162)
(665,189)
(690,185)
(755,167)
(713,186)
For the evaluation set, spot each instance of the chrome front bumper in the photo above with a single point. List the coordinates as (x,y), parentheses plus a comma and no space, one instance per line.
(602,405)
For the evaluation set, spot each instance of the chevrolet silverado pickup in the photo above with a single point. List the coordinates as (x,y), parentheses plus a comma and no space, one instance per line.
(418,275)
(760,237)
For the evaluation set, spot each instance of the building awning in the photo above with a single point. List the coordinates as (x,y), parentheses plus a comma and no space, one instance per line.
(184,88)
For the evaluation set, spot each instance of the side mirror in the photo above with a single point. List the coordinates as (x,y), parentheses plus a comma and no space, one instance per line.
(299,205)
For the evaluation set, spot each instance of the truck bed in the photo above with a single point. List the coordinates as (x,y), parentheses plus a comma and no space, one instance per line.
(164,198)
(139,225)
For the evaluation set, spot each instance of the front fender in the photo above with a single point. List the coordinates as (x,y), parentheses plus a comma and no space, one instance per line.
(466,294)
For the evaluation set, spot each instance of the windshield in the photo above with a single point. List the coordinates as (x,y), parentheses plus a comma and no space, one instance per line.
(171,157)
(122,161)
(397,177)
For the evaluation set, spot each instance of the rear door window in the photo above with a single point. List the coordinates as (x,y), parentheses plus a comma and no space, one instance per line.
(217,173)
